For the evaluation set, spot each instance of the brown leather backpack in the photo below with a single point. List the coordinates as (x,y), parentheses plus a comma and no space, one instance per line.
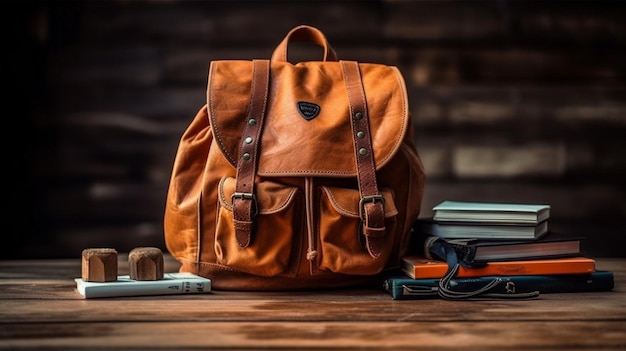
(295,176)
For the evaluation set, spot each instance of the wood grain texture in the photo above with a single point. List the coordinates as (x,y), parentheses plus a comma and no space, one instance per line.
(99,265)
(321,335)
(40,309)
(145,263)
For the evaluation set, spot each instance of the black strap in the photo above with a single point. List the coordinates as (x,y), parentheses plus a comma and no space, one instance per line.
(444,251)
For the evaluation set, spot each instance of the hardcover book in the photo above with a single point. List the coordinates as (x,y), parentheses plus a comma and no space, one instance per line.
(172,283)
(491,212)
(417,267)
(404,288)
(478,251)
(460,230)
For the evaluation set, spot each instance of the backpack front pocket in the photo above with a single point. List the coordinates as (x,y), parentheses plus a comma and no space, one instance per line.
(275,224)
(341,241)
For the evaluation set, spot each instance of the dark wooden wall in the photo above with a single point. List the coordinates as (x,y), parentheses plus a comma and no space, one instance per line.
(513,101)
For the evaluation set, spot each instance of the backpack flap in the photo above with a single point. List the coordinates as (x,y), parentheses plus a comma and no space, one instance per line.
(307,129)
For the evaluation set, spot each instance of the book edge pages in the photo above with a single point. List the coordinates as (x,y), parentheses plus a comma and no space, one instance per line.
(471,206)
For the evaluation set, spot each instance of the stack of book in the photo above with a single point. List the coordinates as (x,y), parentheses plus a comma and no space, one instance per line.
(507,241)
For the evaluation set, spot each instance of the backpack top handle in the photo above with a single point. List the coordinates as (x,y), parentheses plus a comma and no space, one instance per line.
(304,33)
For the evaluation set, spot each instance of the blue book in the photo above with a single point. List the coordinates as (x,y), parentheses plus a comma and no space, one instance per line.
(405,288)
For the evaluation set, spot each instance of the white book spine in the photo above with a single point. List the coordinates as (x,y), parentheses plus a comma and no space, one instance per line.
(172,283)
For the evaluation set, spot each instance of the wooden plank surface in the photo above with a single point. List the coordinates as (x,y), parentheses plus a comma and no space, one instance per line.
(509,335)
(40,309)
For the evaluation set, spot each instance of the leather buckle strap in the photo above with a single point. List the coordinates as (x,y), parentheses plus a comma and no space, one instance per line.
(372,210)
(245,206)
(246,196)
(368,199)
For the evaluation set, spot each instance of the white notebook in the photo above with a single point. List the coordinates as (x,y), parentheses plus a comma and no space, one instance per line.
(172,283)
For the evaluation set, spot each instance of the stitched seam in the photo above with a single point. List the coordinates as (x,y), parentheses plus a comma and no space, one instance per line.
(405,116)
(212,117)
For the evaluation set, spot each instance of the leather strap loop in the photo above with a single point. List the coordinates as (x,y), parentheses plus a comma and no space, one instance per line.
(440,249)
(244,200)
(304,33)
(372,203)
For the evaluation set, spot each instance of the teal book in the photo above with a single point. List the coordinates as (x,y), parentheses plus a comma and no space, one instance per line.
(405,288)
(491,212)
(490,231)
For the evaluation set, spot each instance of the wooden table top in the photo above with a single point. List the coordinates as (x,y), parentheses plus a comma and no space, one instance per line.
(40,309)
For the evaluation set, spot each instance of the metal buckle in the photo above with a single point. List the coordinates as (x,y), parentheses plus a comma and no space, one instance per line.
(410,290)
(246,196)
(367,199)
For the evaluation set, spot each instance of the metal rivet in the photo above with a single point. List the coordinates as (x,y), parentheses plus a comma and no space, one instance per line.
(363,151)
(246,156)
(360,134)
(252,122)
(248,140)
(358,115)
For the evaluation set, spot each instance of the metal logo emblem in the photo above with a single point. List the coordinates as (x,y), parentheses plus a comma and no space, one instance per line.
(308,110)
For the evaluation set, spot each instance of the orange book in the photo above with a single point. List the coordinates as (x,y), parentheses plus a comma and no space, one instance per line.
(418,267)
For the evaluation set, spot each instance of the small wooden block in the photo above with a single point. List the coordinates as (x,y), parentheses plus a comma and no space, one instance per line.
(146,263)
(99,265)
